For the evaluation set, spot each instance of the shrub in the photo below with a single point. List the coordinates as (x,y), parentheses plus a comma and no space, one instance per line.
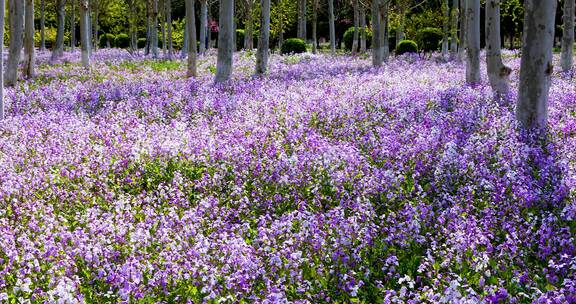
(406,46)
(392,39)
(429,38)
(141,43)
(349,37)
(293,46)
(105,40)
(122,41)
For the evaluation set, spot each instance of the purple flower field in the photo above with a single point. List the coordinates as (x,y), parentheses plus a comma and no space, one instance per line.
(327,182)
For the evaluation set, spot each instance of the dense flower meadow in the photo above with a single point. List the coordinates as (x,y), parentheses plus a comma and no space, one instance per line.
(328,181)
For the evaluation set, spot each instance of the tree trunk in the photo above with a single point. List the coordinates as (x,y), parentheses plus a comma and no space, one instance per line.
(384,44)
(473,37)
(42,25)
(249,33)
(95,28)
(264,41)
(356,35)
(131,25)
(203,25)
(72,25)
(362,29)
(191,25)
(536,65)
(376,28)
(163,28)
(85,32)
(463,29)
(402,22)
(148,28)
(454,29)
(29,50)
(2,12)
(567,57)
(225,41)
(302,19)
(169,26)
(154,29)
(58,48)
(186,43)
(498,73)
(332,27)
(16,21)
(315,27)
(445,27)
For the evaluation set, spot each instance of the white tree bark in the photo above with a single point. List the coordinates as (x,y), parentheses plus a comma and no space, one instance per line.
(567,56)
(168,4)
(85,32)
(58,48)
(16,21)
(264,41)
(536,65)
(42,25)
(154,29)
(376,28)
(356,35)
(498,73)
(302,19)
(2,12)
(225,41)
(445,27)
(473,38)
(203,25)
(454,29)
(29,50)
(191,25)
(332,27)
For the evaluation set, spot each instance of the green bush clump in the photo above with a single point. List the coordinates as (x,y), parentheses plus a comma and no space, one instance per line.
(429,38)
(106,40)
(122,41)
(293,46)
(406,46)
(240,33)
(349,37)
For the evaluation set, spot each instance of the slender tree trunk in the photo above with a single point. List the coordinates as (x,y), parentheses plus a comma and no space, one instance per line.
(163,29)
(445,27)
(95,28)
(463,29)
(132,32)
(85,32)
(29,50)
(376,28)
(203,25)
(332,27)
(498,73)
(58,48)
(264,41)
(402,23)
(473,58)
(148,28)
(225,41)
(154,29)
(356,35)
(42,25)
(191,25)
(2,12)
(315,27)
(249,33)
(72,25)
(169,25)
(302,19)
(454,29)
(384,44)
(536,65)
(186,43)
(567,57)
(362,29)
(16,21)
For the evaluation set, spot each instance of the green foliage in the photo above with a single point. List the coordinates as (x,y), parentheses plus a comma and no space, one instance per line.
(178,34)
(50,37)
(406,46)
(240,33)
(293,46)
(122,41)
(105,40)
(349,37)
(429,38)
